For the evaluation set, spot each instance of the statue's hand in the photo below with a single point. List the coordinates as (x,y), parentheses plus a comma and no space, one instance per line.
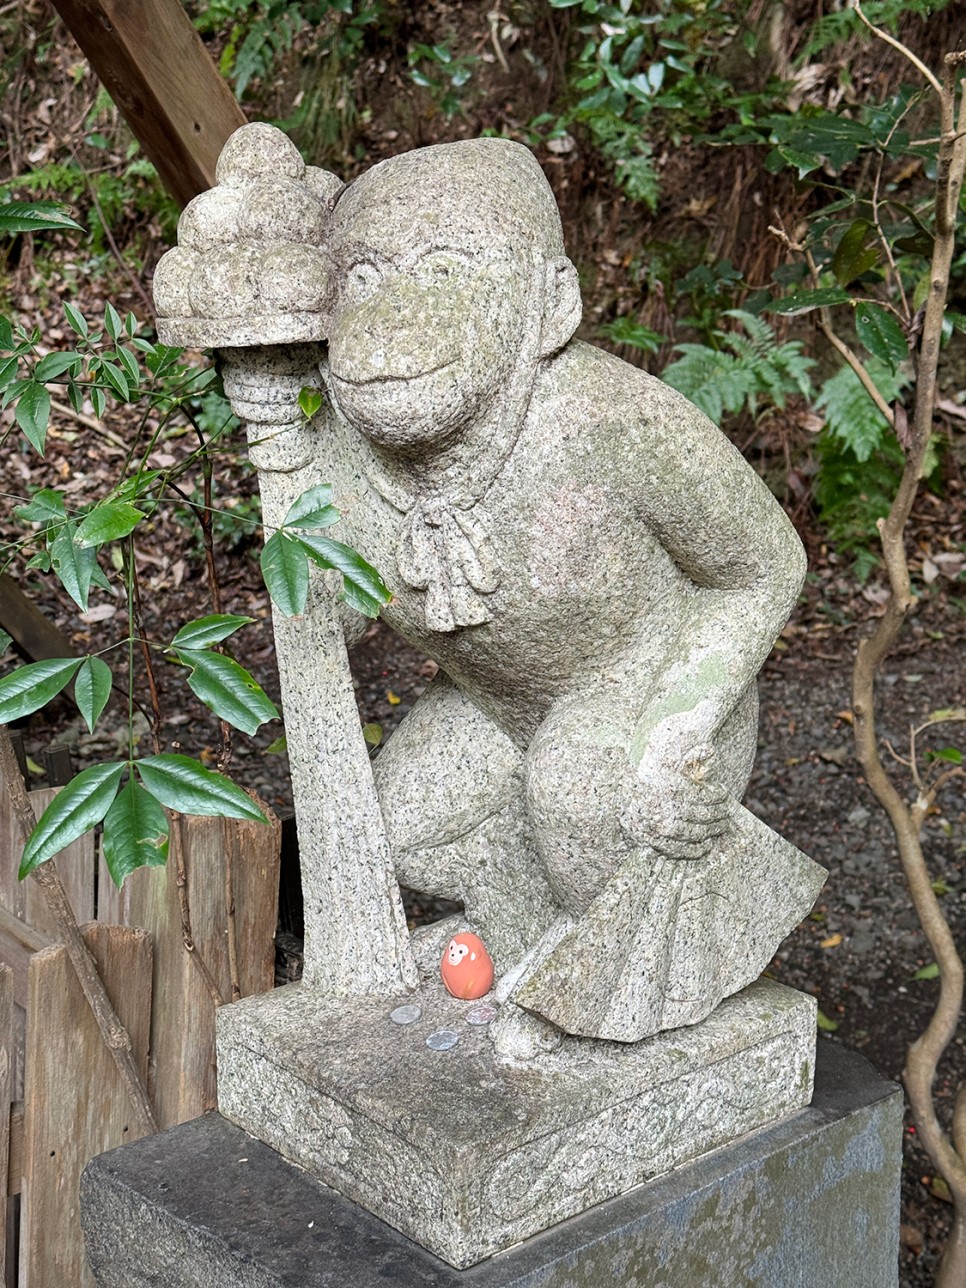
(673,802)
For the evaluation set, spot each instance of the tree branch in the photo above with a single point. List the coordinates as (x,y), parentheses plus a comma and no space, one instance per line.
(897,44)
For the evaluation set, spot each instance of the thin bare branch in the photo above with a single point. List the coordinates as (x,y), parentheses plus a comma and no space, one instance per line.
(919,65)
(187,938)
(946,1152)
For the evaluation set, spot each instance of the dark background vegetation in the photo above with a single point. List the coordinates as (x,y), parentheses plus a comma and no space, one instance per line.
(667,201)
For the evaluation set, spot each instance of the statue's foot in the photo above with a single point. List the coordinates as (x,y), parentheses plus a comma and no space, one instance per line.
(518,1035)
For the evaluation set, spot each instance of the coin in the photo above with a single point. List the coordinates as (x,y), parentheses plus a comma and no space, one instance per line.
(483,1014)
(442,1040)
(407,1014)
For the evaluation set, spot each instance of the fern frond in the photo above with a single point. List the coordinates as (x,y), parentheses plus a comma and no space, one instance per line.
(714,381)
(850,413)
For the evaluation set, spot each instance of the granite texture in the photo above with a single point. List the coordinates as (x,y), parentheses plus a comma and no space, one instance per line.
(467,1153)
(594,567)
(812,1200)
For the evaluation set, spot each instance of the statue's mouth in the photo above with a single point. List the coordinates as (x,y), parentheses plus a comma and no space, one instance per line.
(389,377)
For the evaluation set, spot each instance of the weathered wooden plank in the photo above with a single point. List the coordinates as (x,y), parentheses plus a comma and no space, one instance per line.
(18,943)
(15,1158)
(75,1105)
(13,894)
(6,1083)
(153,64)
(182,1073)
(38,637)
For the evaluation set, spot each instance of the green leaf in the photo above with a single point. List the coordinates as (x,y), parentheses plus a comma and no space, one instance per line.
(212,629)
(227,689)
(55,364)
(286,572)
(372,733)
(313,509)
(92,688)
(10,366)
(74,810)
(825,1024)
(277,745)
(130,364)
(34,217)
(805,301)
(109,521)
(184,785)
(116,378)
(5,642)
(362,587)
(852,257)
(30,687)
(952,755)
(137,486)
(804,162)
(33,413)
(112,322)
(881,334)
(926,972)
(74,564)
(310,400)
(45,506)
(135,833)
(76,320)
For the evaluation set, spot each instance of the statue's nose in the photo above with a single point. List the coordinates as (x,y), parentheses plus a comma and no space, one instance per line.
(394,334)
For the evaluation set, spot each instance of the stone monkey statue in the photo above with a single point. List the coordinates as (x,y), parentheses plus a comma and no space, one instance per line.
(595,568)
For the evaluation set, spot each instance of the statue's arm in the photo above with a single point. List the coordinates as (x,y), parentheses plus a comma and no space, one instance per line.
(726,533)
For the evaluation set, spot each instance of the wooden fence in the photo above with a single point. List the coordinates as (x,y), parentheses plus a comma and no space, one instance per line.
(65,1101)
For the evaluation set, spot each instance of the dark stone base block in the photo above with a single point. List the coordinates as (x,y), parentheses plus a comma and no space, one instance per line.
(810,1201)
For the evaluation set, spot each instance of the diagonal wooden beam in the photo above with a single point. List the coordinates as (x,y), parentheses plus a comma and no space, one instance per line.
(153,64)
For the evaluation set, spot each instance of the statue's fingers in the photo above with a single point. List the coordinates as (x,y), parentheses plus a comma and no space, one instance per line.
(671,848)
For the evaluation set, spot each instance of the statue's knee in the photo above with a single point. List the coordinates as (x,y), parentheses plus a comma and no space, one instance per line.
(573,796)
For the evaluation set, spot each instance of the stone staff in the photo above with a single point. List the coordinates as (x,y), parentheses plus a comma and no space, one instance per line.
(356,940)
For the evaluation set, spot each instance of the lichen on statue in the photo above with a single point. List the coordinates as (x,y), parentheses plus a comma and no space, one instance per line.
(599,575)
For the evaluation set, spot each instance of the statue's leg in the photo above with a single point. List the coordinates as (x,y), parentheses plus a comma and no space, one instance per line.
(451,789)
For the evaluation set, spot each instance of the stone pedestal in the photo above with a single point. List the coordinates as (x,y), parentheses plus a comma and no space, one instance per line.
(468,1155)
(812,1200)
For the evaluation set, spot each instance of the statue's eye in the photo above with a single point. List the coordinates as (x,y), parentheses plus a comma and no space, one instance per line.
(437,267)
(362,280)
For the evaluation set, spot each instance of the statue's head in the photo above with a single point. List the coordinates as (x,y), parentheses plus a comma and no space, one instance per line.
(448,270)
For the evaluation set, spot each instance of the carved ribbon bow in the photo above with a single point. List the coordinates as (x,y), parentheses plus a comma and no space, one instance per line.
(447,552)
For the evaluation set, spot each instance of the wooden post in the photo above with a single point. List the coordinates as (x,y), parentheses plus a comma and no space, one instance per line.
(153,64)
(75,1105)
(7,1039)
(181,1079)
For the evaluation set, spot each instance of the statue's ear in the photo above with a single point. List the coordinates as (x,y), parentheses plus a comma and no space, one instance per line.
(562,308)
